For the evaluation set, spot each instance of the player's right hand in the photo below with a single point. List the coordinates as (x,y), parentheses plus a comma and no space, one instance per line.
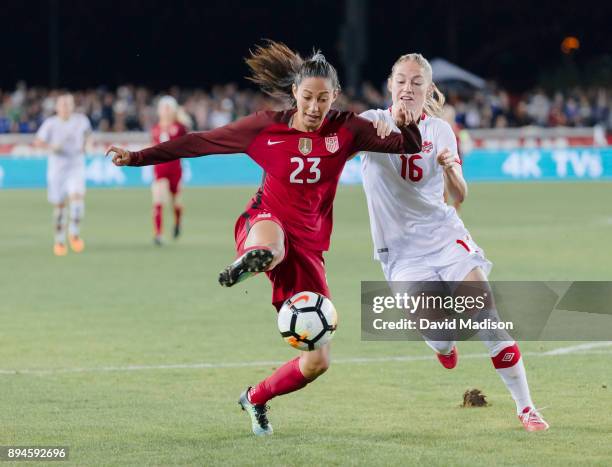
(406,116)
(119,156)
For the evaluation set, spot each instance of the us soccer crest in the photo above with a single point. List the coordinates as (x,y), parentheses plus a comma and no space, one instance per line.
(305,146)
(331,143)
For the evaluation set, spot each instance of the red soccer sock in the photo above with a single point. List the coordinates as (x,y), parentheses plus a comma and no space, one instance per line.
(157,219)
(178,212)
(286,379)
(507,357)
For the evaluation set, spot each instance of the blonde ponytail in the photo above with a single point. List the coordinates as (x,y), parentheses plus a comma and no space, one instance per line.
(183,118)
(434,102)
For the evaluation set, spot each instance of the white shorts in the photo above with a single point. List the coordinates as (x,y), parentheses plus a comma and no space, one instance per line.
(450,264)
(65,178)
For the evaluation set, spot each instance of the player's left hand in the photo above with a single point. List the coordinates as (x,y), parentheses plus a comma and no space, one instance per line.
(383,128)
(447,159)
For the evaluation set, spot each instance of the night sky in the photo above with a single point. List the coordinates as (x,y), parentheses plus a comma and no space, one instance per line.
(198,43)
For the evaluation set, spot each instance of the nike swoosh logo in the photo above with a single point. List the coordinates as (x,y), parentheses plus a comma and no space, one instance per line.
(299,299)
(272,143)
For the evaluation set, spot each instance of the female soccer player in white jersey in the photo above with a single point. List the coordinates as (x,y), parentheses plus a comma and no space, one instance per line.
(65,135)
(417,237)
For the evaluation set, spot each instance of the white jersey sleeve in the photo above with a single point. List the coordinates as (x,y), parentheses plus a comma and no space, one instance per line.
(86,124)
(44,132)
(446,139)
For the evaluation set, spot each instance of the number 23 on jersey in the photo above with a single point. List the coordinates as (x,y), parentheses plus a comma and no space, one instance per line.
(308,170)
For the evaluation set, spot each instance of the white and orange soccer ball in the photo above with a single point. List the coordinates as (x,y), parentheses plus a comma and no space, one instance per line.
(307,321)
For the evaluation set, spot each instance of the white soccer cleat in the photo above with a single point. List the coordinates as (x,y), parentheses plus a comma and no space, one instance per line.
(532,420)
(258,413)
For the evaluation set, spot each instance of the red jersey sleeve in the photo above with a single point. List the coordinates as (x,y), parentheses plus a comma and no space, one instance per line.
(233,138)
(366,139)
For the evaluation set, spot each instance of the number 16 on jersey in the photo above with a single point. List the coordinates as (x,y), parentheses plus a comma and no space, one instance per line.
(410,170)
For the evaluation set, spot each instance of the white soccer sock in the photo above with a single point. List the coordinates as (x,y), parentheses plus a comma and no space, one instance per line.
(77,212)
(509,365)
(443,347)
(59,220)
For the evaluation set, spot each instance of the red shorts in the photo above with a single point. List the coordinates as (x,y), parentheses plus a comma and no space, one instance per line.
(172,172)
(301,269)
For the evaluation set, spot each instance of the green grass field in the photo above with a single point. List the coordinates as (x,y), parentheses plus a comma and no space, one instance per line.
(91,345)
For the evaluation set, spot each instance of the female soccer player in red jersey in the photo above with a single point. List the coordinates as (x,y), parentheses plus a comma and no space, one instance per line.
(167,182)
(287,225)
(417,236)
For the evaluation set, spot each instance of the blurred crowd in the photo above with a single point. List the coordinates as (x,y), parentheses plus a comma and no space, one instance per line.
(132,108)
(497,108)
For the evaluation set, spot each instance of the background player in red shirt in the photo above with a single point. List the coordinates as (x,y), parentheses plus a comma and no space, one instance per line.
(287,225)
(167,182)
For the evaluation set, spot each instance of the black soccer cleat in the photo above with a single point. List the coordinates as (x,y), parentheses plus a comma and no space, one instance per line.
(177,231)
(246,266)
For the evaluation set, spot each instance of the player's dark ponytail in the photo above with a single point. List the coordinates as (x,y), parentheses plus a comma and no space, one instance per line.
(275,68)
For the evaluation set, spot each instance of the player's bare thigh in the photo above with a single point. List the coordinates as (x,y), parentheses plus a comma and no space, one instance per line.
(270,235)
(76,197)
(160,189)
(316,362)
(475,275)
(177,199)
(476,282)
(478,277)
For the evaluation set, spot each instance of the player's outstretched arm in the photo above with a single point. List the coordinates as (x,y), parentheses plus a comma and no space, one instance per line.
(366,137)
(228,139)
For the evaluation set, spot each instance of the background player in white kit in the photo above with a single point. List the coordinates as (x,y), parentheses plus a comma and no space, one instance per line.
(65,135)
(417,236)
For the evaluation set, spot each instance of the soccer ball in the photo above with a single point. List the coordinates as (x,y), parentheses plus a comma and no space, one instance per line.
(307,321)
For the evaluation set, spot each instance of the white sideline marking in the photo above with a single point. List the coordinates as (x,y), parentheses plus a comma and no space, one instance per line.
(584,349)
(577,348)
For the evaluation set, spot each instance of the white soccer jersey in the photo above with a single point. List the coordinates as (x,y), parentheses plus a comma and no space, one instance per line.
(405,195)
(66,167)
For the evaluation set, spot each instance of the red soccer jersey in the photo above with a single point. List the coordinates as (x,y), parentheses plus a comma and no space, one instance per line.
(159,135)
(301,169)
